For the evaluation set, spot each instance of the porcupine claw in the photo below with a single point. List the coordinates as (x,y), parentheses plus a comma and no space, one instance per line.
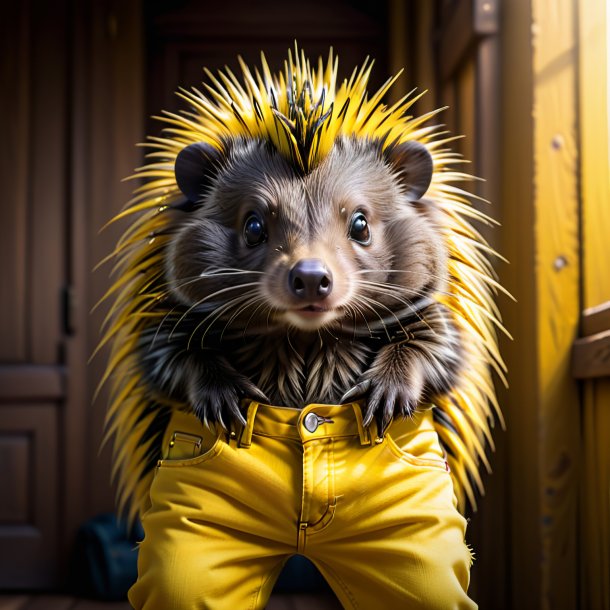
(216,393)
(358,391)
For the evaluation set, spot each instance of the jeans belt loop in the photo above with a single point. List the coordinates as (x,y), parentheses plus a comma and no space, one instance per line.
(363,432)
(245,439)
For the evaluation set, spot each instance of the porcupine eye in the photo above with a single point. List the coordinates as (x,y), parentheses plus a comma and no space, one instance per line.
(254,231)
(359,229)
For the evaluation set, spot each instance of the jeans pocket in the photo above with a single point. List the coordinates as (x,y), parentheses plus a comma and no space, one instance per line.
(188,442)
(416,442)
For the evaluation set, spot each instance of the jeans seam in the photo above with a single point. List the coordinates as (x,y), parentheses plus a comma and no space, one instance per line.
(343,586)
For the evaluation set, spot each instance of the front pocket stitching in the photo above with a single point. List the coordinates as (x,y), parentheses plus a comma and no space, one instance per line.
(413,460)
(204,457)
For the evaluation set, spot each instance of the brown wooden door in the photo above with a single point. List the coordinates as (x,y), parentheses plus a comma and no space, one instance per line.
(72,113)
(33,251)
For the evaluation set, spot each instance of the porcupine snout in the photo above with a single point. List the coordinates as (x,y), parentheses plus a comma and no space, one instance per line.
(310,280)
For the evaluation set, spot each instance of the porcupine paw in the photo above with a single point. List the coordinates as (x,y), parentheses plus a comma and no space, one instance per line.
(388,390)
(216,394)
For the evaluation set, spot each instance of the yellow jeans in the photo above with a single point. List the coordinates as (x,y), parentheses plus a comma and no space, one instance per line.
(377,516)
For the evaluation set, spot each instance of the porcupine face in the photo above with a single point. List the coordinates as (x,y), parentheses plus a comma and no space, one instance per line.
(338,247)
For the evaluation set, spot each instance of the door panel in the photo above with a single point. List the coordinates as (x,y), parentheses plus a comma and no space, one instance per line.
(29,506)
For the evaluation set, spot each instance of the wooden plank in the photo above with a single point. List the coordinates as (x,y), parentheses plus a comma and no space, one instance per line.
(540,238)
(596,319)
(595,184)
(517,244)
(591,356)
(595,504)
(558,307)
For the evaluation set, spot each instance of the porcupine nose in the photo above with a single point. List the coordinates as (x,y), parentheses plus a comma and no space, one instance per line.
(310,280)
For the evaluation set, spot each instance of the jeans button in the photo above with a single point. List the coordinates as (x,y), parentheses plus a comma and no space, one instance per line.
(311,422)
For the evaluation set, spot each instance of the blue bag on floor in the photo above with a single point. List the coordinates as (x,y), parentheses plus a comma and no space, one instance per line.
(104,559)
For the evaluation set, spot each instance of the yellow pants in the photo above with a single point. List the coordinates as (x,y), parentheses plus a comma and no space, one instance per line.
(376,516)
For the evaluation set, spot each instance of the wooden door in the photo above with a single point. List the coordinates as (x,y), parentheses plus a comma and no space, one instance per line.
(33,251)
(72,113)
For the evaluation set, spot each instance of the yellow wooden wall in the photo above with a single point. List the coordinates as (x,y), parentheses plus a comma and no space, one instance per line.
(595,184)
(554,206)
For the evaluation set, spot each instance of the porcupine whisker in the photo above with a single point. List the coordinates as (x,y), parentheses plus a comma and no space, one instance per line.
(262,302)
(207,297)
(385,289)
(376,302)
(388,292)
(225,309)
(429,276)
(221,272)
(390,285)
(250,303)
(184,281)
(352,312)
(222,310)
(359,310)
(216,313)
(327,330)
(299,357)
(371,308)
(214,271)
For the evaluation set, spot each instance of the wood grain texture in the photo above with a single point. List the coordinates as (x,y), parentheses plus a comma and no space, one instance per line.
(595,185)
(591,356)
(596,319)
(557,269)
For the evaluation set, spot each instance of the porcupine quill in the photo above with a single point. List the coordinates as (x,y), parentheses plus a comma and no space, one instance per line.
(310,247)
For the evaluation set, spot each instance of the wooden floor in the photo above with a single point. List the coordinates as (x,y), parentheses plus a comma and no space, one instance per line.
(59,602)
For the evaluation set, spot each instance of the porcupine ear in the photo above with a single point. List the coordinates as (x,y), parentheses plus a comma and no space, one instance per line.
(414,165)
(195,167)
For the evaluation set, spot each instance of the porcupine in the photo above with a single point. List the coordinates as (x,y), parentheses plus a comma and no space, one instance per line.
(304,288)
(301,242)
